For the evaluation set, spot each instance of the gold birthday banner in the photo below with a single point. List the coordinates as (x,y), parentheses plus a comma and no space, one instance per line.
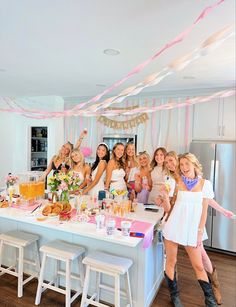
(124,125)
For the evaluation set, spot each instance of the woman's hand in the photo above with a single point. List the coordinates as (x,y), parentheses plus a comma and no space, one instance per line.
(199,238)
(227,213)
(159,201)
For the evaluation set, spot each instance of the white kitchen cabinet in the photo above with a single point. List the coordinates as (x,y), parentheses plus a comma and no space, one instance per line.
(214,120)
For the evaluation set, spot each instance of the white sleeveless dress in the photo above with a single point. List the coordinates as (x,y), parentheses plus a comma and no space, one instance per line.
(100,185)
(182,225)
(80,175)
(117,180)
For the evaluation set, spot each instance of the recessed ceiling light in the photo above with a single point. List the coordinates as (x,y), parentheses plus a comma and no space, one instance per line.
(2,70)
(189,77)
(111,52)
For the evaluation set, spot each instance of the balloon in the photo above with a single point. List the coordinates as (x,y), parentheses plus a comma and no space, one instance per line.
(86,151)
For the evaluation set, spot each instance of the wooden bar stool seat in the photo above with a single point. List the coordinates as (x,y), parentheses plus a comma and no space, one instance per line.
(66,252)
(20,240)
(103,263)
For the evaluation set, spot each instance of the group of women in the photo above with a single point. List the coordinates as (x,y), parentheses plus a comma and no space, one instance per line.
(174,182)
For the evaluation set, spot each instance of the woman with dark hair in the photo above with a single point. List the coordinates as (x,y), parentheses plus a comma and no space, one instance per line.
(116,169)
(98,170)
(158,173)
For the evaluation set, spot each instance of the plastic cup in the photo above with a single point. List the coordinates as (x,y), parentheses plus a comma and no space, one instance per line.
(125,228)
(100,219)
(111,225)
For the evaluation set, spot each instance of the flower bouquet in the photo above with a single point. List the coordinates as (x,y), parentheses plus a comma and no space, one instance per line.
(11,180)
(64,183)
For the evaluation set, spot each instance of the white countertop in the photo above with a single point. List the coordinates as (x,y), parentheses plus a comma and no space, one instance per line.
(84,229)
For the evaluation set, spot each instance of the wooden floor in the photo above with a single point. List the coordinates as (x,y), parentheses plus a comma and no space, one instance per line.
(191,294)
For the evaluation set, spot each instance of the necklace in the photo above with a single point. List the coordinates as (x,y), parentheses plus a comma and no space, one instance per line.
(190,183)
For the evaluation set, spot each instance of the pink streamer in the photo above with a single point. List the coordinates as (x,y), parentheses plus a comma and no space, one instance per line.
(136,70)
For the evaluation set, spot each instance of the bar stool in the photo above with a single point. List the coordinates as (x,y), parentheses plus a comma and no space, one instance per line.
(106,264)
(20,240)
(61,251)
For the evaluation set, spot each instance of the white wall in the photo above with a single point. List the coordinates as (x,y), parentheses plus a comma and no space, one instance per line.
(15,136)
(7,129)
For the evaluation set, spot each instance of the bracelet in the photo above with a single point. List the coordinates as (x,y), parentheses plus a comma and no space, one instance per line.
(200,230)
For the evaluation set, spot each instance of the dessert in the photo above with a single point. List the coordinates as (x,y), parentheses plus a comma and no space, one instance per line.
(46,210)
(4,204)
(66,207)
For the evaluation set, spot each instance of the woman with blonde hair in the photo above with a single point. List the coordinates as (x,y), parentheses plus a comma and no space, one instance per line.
(131,166)
(79,167)
(186,226)
(171,163)
(143,178)
(115,172)
(62,162)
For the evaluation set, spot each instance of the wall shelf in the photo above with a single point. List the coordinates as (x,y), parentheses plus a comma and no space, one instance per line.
(39,148)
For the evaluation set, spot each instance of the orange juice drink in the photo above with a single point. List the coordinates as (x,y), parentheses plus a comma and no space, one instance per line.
(31,190)
(122,210)
(23,189)
(41,188)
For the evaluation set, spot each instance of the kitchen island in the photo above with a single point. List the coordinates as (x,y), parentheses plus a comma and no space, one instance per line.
(146,274)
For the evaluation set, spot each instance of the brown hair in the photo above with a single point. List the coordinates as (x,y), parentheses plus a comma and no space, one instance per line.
(120,162)
(153,162)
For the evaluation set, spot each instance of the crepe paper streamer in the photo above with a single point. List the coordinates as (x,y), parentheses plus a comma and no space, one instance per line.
(170,44)
(136,70)
(178,64)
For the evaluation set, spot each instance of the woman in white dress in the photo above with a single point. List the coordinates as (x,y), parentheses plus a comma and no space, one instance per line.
(131,168)
(80,168)
(98,171)
(186,226)
(158,173)
(115,176)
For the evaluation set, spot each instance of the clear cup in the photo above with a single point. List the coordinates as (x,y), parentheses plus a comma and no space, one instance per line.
(110,227)
(100,219)
(125,228)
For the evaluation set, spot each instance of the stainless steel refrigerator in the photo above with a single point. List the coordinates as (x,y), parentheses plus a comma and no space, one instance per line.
(218,161)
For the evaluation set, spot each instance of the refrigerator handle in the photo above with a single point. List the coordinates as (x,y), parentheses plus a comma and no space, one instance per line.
(216,182)
(217,175)
(212,171)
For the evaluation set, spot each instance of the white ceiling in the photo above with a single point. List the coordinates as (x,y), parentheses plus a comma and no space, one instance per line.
(55,47)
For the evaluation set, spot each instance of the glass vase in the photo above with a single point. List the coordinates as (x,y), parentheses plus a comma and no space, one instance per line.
(65,196)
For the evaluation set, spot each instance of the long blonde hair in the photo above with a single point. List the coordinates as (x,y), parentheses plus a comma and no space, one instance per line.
(145,153)
(66,159)
(126,157)
(174,155)
(82,162)
(193,159)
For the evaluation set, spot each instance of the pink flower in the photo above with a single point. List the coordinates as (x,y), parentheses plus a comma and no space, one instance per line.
(63,186)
